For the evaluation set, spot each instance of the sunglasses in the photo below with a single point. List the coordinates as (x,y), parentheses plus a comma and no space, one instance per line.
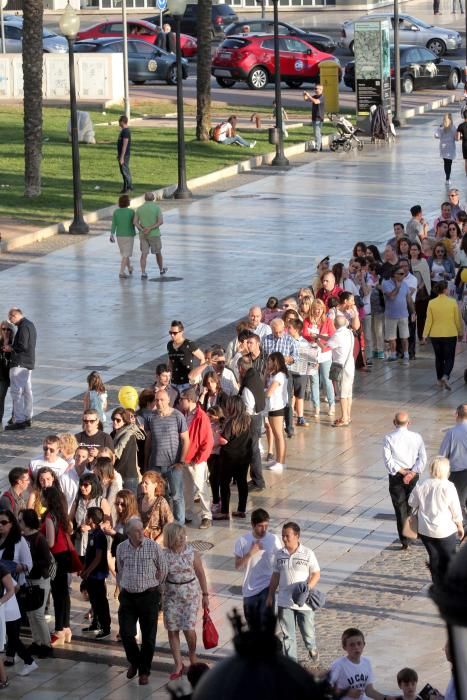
(89,420)
(48,449)
(4,328)
(85,483)
(174,332)
(5,522)
(117,420)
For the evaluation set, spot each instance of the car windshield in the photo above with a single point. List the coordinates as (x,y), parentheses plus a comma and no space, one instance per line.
(46,34)
(418,22)
(224,10)
(233,43)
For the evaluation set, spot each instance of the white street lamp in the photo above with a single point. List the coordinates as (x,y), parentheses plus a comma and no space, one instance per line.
(3,4)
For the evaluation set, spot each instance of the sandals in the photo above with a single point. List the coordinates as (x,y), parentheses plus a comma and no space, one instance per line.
(339,423)
(4,684)
(238,514)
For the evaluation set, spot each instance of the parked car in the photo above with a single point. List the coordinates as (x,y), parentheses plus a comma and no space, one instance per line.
(51,42)
(411,31)
(221,17)
(251,58)
(420,68)
(137,29)
(322,42)
(145,61)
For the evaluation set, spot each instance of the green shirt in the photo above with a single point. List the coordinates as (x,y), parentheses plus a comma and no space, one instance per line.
(148,213)
(122,222)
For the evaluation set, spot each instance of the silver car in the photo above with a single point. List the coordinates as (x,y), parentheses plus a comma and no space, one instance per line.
(411,31)
(51,42)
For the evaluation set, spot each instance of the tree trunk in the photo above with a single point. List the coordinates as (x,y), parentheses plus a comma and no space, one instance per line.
(32,100)
(203,74)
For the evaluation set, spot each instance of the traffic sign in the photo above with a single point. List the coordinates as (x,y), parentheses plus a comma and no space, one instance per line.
(161,5)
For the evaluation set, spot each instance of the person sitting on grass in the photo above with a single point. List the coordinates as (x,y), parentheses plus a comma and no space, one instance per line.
(226,133)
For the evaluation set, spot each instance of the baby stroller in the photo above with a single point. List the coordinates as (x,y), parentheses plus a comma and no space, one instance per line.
(346,137)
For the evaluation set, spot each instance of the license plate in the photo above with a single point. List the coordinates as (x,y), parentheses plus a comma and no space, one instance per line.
(224,54)
(222,73)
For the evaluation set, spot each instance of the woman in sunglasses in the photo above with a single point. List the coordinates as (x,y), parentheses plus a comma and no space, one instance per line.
(89,496)
(7,334)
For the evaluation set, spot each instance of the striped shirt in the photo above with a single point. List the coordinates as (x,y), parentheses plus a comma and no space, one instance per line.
(140,568)
(284,344)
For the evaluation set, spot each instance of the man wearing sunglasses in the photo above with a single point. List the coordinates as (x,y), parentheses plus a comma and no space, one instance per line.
(51,458)
(181,352)
(92,436)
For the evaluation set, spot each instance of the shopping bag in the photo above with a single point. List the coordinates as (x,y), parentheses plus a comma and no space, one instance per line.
(210,634)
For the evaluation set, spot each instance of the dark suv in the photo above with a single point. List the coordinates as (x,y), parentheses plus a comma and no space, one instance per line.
(221,17)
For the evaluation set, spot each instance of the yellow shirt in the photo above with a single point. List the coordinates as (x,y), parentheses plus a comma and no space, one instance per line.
(443,318)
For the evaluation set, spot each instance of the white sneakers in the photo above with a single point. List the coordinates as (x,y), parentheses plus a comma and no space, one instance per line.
(276,467)
(28,668)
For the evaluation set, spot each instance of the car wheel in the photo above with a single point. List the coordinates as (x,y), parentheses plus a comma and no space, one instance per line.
(453,80)
(294,83)
(347,146)
(407,84)
(351,48)
(138,82)
(258,78)
(437,46)
(172,75)
(225,82)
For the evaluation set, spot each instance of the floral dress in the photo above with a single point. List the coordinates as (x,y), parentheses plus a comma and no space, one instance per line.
(181,598)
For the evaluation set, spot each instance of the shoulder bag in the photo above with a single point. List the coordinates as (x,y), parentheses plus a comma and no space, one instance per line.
(410,527)
(210,634)
(30,596)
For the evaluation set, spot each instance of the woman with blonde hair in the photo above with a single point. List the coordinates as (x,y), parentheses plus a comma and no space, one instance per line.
(317,328)
(180,603)
(437,505)
(446,133)
(153,508)
(68,445)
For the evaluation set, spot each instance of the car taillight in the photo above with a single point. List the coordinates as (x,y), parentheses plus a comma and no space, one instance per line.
(343,34)
(190,44)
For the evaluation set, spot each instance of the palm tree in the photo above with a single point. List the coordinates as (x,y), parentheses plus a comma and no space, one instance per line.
(32,100)
(203,73)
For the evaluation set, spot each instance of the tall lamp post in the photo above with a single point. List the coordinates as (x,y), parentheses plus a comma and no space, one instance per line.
(177,8)
(279,158)
(3,4)
(69,26)
(450,597)
(397,67)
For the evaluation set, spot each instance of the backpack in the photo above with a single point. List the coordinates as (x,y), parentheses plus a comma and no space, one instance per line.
(9,495)
(216,132)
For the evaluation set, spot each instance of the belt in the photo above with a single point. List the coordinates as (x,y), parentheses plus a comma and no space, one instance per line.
(148,590)
(181,583)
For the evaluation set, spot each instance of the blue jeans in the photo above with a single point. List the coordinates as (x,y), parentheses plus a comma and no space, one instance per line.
(174,479)
(236,139)
(255,610)
(322,378)
(126,174)
(306,624)
(317,133)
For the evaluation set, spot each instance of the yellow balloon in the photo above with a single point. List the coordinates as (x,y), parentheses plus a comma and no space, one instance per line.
(128,397)
(464,274)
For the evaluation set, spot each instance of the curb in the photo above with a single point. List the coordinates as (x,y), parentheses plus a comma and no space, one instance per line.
(168,191)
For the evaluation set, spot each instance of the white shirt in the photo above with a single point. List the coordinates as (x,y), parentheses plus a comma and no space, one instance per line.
(279,397)
(69,481)
(228,380)
(346,674)
(293,568)
(404,449)
(341,344)
(249,400)
(60,466)
(258,570)
(411,282)
(438,506)
(262,329)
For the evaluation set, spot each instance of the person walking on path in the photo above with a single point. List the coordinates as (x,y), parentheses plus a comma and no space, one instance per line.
(405,459)
(141,568)
(22,362)
(454,447)
(294,564)
(255,553)
(444,326)
(123,228)
(462,136)
(148,219)
(317,114)
(123,154)
(447,135)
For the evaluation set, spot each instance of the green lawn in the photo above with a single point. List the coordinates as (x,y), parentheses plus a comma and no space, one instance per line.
(153,161)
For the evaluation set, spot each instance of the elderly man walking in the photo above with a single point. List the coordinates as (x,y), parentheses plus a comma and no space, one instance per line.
(454,447)
(141,570)
(405,459)
(148,219)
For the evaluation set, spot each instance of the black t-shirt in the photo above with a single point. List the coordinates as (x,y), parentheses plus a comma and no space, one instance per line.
(182,360)
(100,439)
(124,134)
(97,541)
(317,110)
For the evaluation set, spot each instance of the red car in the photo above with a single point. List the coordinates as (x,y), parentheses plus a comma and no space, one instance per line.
(250,57)
(136,28)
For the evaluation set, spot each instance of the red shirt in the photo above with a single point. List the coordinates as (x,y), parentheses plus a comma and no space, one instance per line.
(325,296)
(326,328)
(61,544)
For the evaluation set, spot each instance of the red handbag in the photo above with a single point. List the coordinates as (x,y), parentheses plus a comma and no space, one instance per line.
(210,634)
(76,565)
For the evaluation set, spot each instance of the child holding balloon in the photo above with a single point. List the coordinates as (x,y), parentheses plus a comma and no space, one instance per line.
(96,396)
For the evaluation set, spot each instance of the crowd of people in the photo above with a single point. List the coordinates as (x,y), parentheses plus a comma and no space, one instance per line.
(113,503)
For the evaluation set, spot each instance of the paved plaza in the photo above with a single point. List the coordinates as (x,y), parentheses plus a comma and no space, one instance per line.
(226,251)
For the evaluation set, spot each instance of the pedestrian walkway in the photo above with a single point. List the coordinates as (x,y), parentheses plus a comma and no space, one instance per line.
(224,253)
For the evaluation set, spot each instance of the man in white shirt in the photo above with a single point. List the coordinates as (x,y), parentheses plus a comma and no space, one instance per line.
(342,344)
(69,481)
(454,447)
(255,324)
(294,564)
(411,282)
(405,459)
(51,458)
(255,554)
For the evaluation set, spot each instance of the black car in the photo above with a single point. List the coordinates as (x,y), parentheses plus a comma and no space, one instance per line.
(145,61)
(221,16)
(420,68)
(321,41)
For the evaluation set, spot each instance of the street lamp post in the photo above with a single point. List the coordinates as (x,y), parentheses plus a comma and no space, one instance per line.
(397,67)
(3,4)
(279,158)
(177,8)
(69,26)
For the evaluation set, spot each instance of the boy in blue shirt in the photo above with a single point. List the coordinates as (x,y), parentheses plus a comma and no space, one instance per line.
(95,572)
